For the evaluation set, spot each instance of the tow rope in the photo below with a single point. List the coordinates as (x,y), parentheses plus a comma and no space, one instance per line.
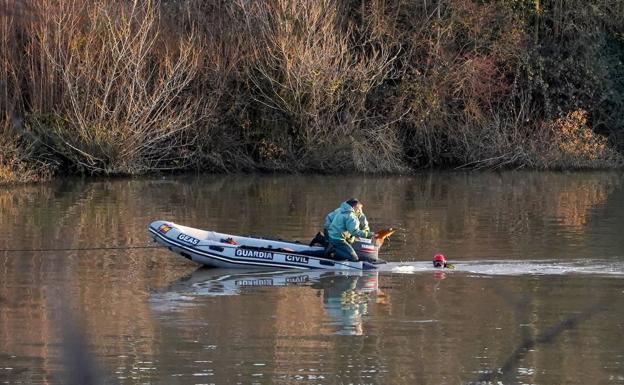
(79,249)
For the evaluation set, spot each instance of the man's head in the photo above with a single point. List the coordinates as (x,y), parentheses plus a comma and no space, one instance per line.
(356,204)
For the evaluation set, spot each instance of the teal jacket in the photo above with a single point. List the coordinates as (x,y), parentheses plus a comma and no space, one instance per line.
(361,217)
(345,224)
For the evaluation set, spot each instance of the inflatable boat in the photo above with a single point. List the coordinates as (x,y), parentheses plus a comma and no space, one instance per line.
(215,249)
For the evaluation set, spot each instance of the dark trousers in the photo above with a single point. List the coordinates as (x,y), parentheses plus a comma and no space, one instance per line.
(343,250)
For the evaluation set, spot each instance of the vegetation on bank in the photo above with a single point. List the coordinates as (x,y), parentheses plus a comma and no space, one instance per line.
(128,87)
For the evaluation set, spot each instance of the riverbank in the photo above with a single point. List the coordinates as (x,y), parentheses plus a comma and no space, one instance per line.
(108,88)
(584,151)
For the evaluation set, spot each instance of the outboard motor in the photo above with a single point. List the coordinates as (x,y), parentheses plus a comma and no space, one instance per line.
(366,249)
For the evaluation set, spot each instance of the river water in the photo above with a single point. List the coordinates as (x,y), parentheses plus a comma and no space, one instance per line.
(537,296)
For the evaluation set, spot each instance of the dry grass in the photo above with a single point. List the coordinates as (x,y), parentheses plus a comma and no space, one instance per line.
(20,164)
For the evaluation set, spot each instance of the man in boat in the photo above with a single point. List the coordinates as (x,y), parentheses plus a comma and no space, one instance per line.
(344,227)
(323,239)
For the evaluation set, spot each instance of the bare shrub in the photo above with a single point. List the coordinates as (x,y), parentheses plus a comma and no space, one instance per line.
(125,106)
(20,160)
(462,94)
(11,12)
(571,142)
(227,137)
(311,71)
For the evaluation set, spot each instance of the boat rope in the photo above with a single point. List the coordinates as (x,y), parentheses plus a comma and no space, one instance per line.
(80,249)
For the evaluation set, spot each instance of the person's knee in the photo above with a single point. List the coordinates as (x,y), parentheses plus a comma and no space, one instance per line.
(347,252)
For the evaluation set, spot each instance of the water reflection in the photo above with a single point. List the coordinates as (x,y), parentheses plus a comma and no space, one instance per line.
(346,298)
(345,295)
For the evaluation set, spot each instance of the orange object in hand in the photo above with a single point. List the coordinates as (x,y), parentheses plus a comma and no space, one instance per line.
(380,236)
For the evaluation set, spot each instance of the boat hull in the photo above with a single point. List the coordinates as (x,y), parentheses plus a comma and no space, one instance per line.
(234,252)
